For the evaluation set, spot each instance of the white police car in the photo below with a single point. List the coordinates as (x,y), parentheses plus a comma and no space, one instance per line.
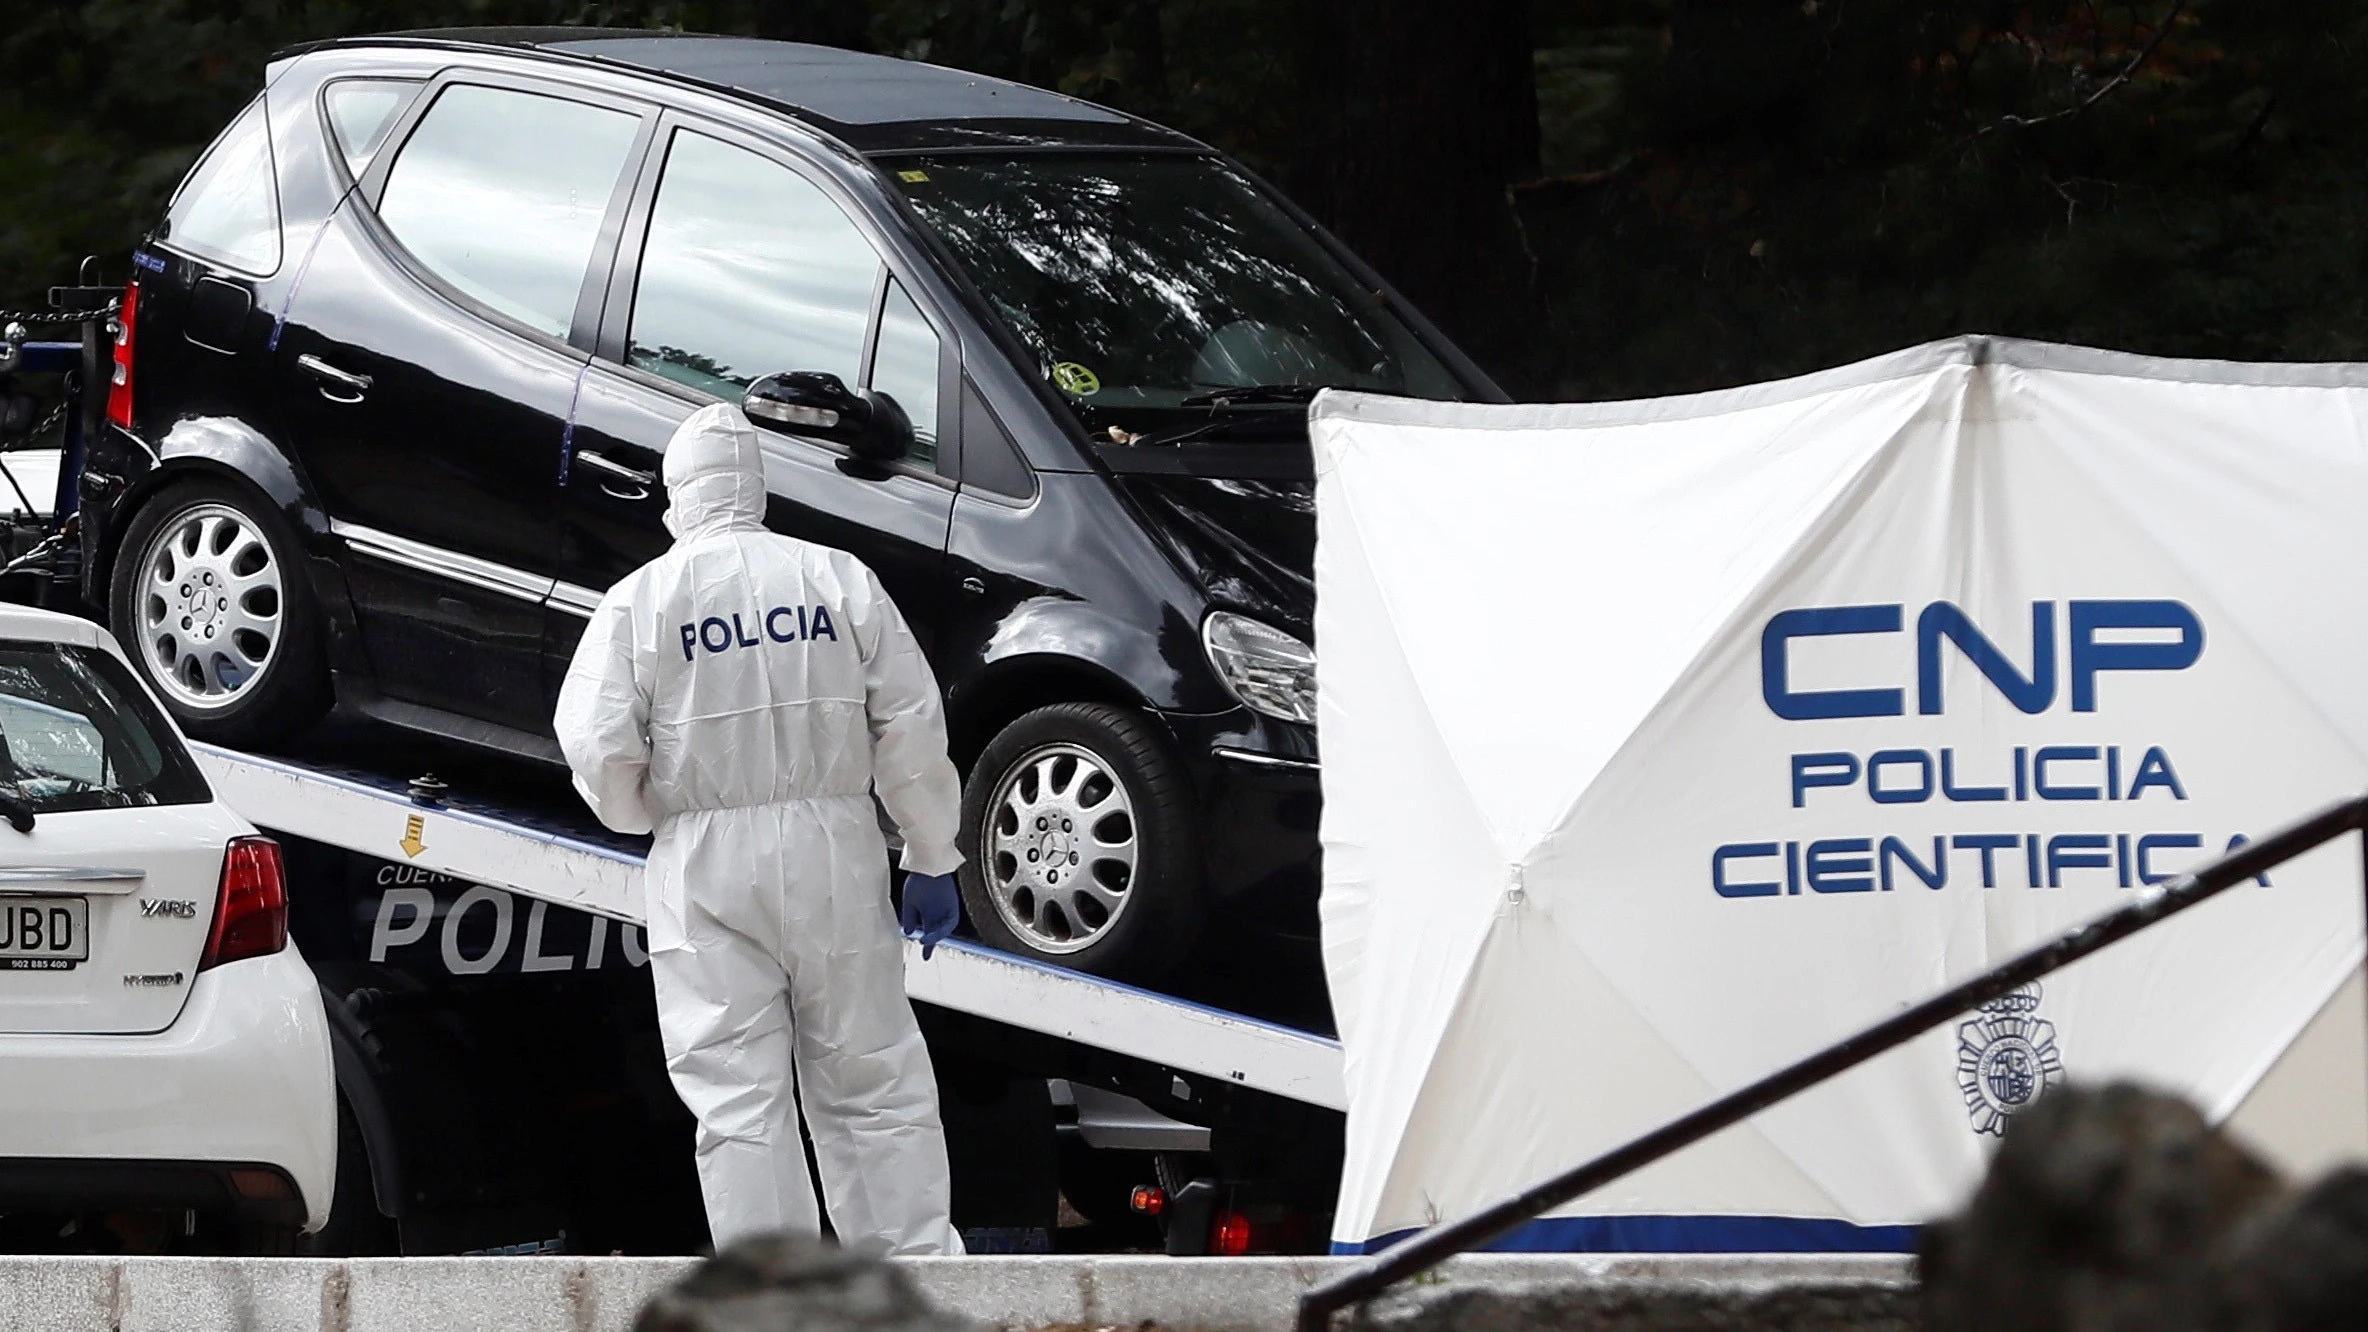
(164,1058)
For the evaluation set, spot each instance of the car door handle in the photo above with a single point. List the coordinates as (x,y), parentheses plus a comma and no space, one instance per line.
(333,379)
(625,483)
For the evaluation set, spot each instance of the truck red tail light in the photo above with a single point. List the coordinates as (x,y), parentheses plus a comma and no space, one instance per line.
(119,386)
(251,911)
(1231,1236)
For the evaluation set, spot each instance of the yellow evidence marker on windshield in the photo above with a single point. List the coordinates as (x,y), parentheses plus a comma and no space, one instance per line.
(1075,380)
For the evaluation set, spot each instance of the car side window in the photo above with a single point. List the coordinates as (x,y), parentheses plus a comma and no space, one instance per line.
(229,208)
(749,270)
(501,193)
(360,112)
(904,367)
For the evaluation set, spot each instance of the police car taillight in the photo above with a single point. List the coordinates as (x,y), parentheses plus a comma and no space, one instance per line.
(119,385)
(251,911)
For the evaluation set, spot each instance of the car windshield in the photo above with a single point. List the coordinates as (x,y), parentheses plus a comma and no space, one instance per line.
(77,732)
(1148,287)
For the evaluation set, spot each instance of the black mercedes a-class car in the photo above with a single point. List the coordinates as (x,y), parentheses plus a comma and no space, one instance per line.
(395,372)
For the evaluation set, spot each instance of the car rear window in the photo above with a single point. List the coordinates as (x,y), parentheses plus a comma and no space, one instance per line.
(77,732)
(228,210)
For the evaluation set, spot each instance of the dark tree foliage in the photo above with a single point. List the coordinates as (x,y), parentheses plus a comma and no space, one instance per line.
(1598,197)
(1432,114)
(1780,187)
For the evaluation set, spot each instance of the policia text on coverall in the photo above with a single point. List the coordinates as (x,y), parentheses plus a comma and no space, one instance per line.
(753,750)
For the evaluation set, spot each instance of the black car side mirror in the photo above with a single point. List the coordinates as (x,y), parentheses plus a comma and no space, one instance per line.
(821,406)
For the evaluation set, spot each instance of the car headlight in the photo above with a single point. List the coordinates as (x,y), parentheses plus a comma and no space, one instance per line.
(1267,669)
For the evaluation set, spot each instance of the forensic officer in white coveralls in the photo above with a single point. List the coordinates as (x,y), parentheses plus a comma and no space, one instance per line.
(744,695)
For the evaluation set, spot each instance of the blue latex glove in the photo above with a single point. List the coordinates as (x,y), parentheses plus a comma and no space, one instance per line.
(932,908)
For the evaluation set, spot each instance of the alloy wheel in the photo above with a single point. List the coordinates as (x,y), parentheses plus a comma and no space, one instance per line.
(209,607)
(1061,848)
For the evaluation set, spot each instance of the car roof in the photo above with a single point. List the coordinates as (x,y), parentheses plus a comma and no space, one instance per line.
(871,103)
(28,624)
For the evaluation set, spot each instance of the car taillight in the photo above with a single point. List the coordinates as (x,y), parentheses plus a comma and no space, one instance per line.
(251,911)
(119,387)
(1230,1235)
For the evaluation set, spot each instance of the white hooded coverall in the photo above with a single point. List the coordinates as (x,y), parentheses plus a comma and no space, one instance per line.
(744,695)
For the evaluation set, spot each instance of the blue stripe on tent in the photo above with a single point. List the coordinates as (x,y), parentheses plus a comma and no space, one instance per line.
(1681,1234)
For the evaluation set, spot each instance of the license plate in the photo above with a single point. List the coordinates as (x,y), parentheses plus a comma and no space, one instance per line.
(44,933)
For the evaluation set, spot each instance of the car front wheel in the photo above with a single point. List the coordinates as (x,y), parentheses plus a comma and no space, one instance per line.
(1082,849)
(209,601)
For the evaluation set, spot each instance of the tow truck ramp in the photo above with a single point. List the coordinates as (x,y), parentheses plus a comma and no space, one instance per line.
(363,812)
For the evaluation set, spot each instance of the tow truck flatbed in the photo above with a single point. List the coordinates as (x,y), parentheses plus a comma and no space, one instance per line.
(544,857)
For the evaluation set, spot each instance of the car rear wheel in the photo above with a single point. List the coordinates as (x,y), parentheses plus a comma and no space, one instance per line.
(209,600)
(1078,823)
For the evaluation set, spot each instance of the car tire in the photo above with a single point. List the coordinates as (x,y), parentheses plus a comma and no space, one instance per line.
(1083,849)
(249,670)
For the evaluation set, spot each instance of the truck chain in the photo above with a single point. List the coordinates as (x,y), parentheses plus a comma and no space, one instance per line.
(54,316)
(44,550)
(36,431)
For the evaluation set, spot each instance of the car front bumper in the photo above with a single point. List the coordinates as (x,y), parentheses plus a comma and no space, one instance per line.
(240,1086)
(1261,805)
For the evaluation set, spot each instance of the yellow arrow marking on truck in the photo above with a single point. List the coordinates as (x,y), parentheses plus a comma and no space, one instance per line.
(413,843)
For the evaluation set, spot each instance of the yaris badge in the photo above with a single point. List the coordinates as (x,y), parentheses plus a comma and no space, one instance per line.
(2006,1059)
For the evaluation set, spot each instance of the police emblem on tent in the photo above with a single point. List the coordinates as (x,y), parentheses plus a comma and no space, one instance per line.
(2006,1058)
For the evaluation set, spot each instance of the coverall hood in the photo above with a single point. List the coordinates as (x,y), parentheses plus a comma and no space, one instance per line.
(715,475)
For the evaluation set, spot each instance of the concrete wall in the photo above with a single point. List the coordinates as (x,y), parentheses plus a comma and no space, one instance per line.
(1800,1303)
(1665,1294)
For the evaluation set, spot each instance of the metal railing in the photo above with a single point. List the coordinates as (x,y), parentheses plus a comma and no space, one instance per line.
(2158,903)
